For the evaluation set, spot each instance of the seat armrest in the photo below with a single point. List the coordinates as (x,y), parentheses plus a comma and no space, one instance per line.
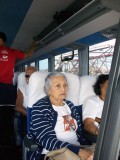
(30,144)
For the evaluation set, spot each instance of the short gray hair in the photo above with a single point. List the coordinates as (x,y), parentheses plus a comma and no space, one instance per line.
(48,80)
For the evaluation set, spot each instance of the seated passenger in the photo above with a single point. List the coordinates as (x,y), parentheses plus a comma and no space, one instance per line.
(93,107)
(21,102)
(55,122)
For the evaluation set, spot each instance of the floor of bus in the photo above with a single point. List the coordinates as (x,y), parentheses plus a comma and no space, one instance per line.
(10,152)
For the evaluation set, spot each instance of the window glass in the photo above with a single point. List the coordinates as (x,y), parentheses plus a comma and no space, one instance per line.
(32,64)
(43,65)
(65,65)
(100,57)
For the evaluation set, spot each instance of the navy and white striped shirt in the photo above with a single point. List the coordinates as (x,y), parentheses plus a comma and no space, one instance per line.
(43,121)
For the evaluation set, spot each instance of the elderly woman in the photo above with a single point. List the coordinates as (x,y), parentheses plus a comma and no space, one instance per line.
(55,122)
(93,107)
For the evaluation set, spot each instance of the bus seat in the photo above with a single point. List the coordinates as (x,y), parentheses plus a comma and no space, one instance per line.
(21,79)
(17,118)
(73,88)
(7,125)
(86,88)
(15,78)
(36,87)
(36,91)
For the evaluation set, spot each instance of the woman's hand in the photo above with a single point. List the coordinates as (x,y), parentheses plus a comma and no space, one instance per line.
(85,154)
(90,157)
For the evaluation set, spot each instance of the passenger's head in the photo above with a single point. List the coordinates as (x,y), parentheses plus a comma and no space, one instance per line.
(3,38)
(56,87)
(29,70)
(100,87)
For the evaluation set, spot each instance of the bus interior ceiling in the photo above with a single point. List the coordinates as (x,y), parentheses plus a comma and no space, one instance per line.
(59,26)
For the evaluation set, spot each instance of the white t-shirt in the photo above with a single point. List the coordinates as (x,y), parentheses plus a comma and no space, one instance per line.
(65,127)
(24,90)
(92,107)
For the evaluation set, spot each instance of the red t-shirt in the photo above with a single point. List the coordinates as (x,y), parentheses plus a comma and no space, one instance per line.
(8,58)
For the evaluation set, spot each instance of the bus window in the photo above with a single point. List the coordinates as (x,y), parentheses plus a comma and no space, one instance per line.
(25,66)
(43,65)
(32,64)
(68,62)
(100,57)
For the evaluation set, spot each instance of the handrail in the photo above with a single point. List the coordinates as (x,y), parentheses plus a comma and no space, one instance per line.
(12,105)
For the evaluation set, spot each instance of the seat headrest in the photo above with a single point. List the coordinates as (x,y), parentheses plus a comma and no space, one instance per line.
(36,87)
(86,88)
(21,79)
(73,88)
(15,78)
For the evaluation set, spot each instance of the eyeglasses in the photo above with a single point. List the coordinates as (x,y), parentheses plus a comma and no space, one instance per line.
(27,76)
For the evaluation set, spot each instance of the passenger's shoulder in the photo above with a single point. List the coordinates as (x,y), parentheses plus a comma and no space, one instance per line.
(42,101)
(92,98)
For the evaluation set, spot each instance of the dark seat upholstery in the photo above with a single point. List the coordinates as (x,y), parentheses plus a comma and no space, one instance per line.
(7,125)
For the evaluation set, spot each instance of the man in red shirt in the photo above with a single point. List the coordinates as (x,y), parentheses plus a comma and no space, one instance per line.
(8,58)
